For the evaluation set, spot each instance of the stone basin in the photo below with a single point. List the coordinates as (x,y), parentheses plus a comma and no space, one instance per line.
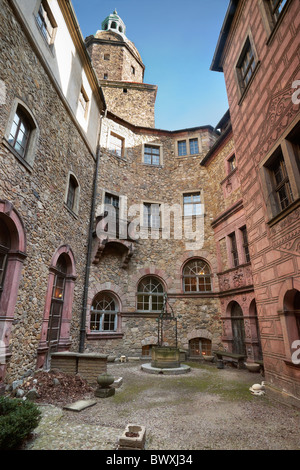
(165,357)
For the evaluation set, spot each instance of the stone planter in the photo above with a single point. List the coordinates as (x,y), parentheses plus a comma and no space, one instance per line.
(133,437)
(104,390)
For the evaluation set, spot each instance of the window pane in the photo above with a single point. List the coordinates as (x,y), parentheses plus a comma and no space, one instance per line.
(194,147)
(182,148)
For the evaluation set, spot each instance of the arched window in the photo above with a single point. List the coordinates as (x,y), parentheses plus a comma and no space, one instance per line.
(57,303)
(22,133)
(72,195)
(5,244)
(150,295)
(113,25)
(104,313)
(197,277)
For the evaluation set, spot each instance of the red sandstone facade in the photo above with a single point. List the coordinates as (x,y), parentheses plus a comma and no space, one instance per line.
(258,51)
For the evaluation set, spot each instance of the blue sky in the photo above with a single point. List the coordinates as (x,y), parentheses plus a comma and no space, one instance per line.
(177,40)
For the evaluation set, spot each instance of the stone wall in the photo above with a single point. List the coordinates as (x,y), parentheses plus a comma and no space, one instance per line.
(38,193)
(162,257)
(132,102)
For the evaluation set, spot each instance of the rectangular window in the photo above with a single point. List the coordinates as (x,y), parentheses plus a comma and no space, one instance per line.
(192,204)
(151,215)
(83,101)
(194,147)
(276,7)
(116,145)
(234,251)
(245,244)
(281,184)
(46,22)
(112,214)
(246,64)
(182,148)
(232,163)
(151,155)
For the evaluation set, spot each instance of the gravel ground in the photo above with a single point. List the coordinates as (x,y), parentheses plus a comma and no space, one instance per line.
(206,409)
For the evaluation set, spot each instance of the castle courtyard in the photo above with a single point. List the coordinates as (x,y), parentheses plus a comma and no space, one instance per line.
(206,409)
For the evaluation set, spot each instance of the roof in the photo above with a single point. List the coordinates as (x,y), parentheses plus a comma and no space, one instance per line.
(216,63)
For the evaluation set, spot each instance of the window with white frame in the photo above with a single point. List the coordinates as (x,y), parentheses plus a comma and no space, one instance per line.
(150,295)
(192,205)
(104,314)
(116,145)
(46,22)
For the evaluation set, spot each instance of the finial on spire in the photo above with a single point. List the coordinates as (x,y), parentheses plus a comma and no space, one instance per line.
(115,12)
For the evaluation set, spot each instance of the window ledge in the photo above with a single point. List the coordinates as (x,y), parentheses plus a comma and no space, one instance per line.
(70,211)
(149,165)
(281,215)
(105,335)
(17,156)
(188,155)
(245,91)
(232,173)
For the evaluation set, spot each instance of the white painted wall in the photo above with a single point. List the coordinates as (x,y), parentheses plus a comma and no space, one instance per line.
(65,64)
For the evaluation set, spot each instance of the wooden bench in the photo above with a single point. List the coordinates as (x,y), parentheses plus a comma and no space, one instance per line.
(226,356)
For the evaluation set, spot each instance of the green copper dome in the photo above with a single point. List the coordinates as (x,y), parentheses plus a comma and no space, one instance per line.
(114,23)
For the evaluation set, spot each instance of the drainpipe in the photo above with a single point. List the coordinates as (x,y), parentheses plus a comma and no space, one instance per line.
(90,241)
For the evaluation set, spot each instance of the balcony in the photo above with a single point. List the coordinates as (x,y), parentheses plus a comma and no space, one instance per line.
(114,234)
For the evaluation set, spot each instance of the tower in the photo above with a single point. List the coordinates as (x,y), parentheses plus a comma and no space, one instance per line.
(120,71)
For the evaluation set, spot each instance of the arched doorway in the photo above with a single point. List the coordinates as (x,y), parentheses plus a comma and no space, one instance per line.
(257,341)
(58,306)
(238,329)
(12,256)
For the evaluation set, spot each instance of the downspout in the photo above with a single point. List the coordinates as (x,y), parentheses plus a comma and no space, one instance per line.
(90,241)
